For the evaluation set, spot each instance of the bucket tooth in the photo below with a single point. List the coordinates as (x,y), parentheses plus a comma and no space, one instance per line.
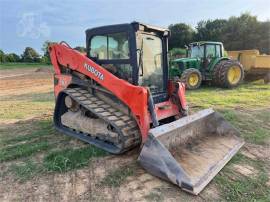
(189,152)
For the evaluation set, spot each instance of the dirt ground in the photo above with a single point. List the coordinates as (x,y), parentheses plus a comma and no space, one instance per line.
(18,82)
(85,183)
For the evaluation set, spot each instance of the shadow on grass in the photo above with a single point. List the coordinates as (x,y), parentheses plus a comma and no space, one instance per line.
(56,161)
(68,159)
(25,139)
(22,150)
(40,128)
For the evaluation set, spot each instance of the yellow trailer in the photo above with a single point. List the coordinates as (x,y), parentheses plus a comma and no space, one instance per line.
(256,66)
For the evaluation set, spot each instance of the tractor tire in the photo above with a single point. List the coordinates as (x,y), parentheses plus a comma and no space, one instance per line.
(192,78)
(267,78)
(229,74)
(216,72)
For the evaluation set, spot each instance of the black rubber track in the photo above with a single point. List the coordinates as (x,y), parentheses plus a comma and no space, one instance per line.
(125,126)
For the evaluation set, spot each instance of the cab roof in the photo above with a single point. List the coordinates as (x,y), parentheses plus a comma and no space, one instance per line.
(204,42)
(136,25)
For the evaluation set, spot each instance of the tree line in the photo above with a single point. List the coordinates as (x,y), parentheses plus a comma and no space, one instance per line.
(236,33)
(30,55)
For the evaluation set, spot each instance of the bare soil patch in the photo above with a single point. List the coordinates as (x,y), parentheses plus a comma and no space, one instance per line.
(25,81)
(245,170)
(259,152)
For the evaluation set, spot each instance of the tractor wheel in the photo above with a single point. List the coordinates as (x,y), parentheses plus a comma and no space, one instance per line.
(267,78)
(230,74)
(216,72)
(192,78)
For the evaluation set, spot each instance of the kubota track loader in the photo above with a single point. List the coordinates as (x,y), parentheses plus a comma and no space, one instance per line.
(118,96)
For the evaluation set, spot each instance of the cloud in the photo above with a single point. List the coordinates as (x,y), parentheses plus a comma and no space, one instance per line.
(30,25)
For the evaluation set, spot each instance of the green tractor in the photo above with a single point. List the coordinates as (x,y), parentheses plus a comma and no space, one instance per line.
(205,61)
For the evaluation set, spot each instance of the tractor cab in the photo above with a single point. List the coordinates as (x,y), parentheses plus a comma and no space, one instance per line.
(134,52)
(206,51)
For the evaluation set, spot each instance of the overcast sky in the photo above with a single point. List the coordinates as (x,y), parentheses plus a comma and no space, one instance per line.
(31,22)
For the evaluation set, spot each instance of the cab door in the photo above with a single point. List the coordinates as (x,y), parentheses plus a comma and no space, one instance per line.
(212,51)
(151,64)
(113,47)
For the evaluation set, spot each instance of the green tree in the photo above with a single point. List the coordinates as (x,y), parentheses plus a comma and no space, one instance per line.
(45,48)
(236,33)
(264,42)
(46,56)
(30,55)
(12,57)
(177,53)
(2,56)
(243,32)
(181,35)
(210,30)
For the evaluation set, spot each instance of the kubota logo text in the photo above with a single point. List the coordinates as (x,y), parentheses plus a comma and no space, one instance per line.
(95,72)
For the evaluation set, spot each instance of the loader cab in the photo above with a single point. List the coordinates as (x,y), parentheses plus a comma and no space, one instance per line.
(134,52)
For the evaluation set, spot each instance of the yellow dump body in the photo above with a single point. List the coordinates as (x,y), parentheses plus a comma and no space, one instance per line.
(251,59)
(256,66)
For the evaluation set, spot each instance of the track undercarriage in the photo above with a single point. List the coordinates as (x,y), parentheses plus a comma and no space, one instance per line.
(89,118)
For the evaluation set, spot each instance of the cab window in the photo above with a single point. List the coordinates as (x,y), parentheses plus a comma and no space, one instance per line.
(213,51)
(210,51)
(110,47)
(218,51)
(196,51)
(99,47)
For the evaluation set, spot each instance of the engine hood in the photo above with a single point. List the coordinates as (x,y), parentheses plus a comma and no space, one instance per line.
(184,60)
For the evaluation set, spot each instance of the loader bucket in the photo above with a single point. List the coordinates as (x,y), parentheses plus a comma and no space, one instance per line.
(189,152)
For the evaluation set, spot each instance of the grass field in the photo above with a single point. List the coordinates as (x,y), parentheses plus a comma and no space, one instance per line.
(38,163)
(15,65)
